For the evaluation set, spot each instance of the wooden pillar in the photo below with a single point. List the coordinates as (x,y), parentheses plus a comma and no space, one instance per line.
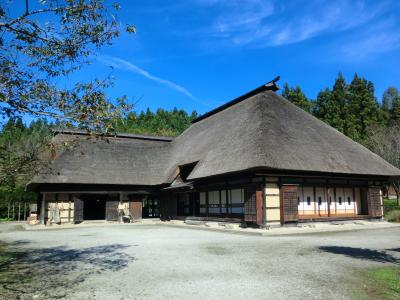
(69,208)
(207,203)
(328,201)
(335,199)
(43,209)
(120,219)
(259,208)
(220,203)
(315,200)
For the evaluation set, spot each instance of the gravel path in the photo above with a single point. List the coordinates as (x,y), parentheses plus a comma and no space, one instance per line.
(159,262)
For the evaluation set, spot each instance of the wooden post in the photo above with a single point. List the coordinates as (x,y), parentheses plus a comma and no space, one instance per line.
(335,199)
(43,209)
(259,208)
(207,203)
(69,208)
(8,210)
(19,211)
(315,201)
(13,211)
(24,218)
(328,201)
(120,217)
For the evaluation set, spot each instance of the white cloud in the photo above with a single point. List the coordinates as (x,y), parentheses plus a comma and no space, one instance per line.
(119,63)
(268,23)
(383,37)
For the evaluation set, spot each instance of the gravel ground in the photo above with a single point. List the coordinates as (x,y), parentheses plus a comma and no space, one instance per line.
(159,262)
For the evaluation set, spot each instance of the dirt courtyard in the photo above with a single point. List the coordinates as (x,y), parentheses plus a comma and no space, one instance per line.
(160,262)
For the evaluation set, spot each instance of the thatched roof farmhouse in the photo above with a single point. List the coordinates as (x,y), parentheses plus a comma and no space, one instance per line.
(257,159)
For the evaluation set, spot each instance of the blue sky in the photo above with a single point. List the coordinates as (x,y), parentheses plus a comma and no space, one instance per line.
(199,54)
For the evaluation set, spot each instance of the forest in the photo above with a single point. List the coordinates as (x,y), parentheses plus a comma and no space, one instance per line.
(350,107)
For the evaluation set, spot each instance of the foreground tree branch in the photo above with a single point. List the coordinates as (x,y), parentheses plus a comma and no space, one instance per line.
(36,54)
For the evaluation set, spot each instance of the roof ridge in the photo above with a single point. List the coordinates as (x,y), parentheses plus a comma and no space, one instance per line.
(118,135)
(269,86)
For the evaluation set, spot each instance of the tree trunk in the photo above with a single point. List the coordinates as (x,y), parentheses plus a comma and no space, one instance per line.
(396,185)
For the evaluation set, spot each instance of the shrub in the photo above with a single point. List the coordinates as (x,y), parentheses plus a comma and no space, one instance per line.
(393,216)
(390,204)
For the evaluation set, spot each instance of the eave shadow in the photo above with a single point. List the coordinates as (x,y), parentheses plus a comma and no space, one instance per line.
(49,273)
(362,253)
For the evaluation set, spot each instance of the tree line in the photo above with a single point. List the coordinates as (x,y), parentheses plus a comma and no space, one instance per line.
(351,108)
(162,122)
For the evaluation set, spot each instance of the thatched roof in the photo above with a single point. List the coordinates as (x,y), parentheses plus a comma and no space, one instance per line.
(122,160)
(260,131)
(267,131)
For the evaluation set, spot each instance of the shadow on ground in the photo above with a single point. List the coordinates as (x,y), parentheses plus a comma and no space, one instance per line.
(394,249)
(362,253)
(51,272)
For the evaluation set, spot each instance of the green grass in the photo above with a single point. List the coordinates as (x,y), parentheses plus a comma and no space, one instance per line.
(381,283)
(5,219)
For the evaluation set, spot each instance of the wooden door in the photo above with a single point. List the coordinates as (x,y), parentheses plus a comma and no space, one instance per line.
(78,210)
(289,203)
(135,207)
(374,202)
(250,209)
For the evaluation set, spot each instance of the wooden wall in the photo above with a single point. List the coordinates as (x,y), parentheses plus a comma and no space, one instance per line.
(272,204)
(65,206)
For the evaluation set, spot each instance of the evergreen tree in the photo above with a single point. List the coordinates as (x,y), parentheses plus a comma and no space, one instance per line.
(322,103)
(331,106)
(297,97)
(162,122)
(395,111)
(362,108)
(339,100)
(328,110)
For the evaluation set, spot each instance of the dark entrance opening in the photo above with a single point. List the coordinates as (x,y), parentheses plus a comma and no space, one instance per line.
(151,208)
(94,207)
(188,204)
